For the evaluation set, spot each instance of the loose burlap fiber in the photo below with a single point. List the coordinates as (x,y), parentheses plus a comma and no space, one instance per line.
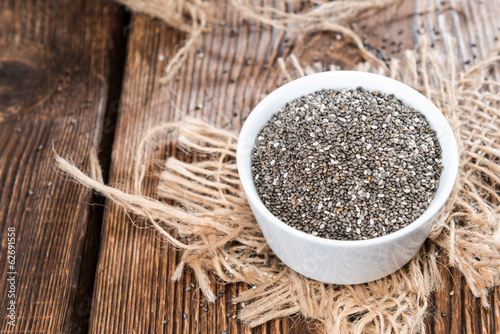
(203,206)
(193,17)
(203,203)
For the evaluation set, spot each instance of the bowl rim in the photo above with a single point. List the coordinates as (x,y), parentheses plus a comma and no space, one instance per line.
(446,182)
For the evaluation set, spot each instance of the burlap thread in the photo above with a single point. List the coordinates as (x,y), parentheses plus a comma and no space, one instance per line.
(205,206)
(194,17)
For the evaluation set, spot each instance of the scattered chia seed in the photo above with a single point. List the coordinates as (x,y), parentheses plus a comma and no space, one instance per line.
(347,165)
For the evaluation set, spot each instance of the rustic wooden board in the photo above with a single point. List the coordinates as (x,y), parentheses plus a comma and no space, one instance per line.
(475,26)
(54,81)
(133,291)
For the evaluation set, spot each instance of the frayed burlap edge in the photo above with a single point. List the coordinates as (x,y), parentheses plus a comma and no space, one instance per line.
(197,16)
(470,102)
(218,233)
(189,16)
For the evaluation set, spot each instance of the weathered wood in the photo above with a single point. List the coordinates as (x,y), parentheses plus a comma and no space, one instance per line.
(133,291)
(133,288)
(51,75)
(54,82)
(474,25)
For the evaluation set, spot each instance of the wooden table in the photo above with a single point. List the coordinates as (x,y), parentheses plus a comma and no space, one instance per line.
(81,74)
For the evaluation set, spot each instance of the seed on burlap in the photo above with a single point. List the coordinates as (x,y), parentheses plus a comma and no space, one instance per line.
(347,165)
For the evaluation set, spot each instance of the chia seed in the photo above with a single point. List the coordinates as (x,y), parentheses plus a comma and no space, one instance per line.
(347,165)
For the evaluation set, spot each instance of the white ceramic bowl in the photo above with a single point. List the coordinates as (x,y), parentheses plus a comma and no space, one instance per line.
(334,261)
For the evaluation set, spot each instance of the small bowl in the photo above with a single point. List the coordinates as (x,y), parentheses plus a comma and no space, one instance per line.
(339,261)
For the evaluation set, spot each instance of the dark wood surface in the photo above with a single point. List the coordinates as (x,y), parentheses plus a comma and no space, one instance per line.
(67,79)
(55,67)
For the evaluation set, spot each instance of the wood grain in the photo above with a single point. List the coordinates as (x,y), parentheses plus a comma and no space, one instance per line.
(232,70)
(54,81)
(133,291)
(60,78)
(474,25)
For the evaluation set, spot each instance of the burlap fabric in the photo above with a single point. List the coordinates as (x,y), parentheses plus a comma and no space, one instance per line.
(203,203)
(193,17)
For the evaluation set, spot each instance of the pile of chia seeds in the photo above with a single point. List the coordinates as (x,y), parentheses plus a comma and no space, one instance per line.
(347,165)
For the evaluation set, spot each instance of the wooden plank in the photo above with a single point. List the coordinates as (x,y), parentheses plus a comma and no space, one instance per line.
(474,24)
(133,291)
(54,82)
